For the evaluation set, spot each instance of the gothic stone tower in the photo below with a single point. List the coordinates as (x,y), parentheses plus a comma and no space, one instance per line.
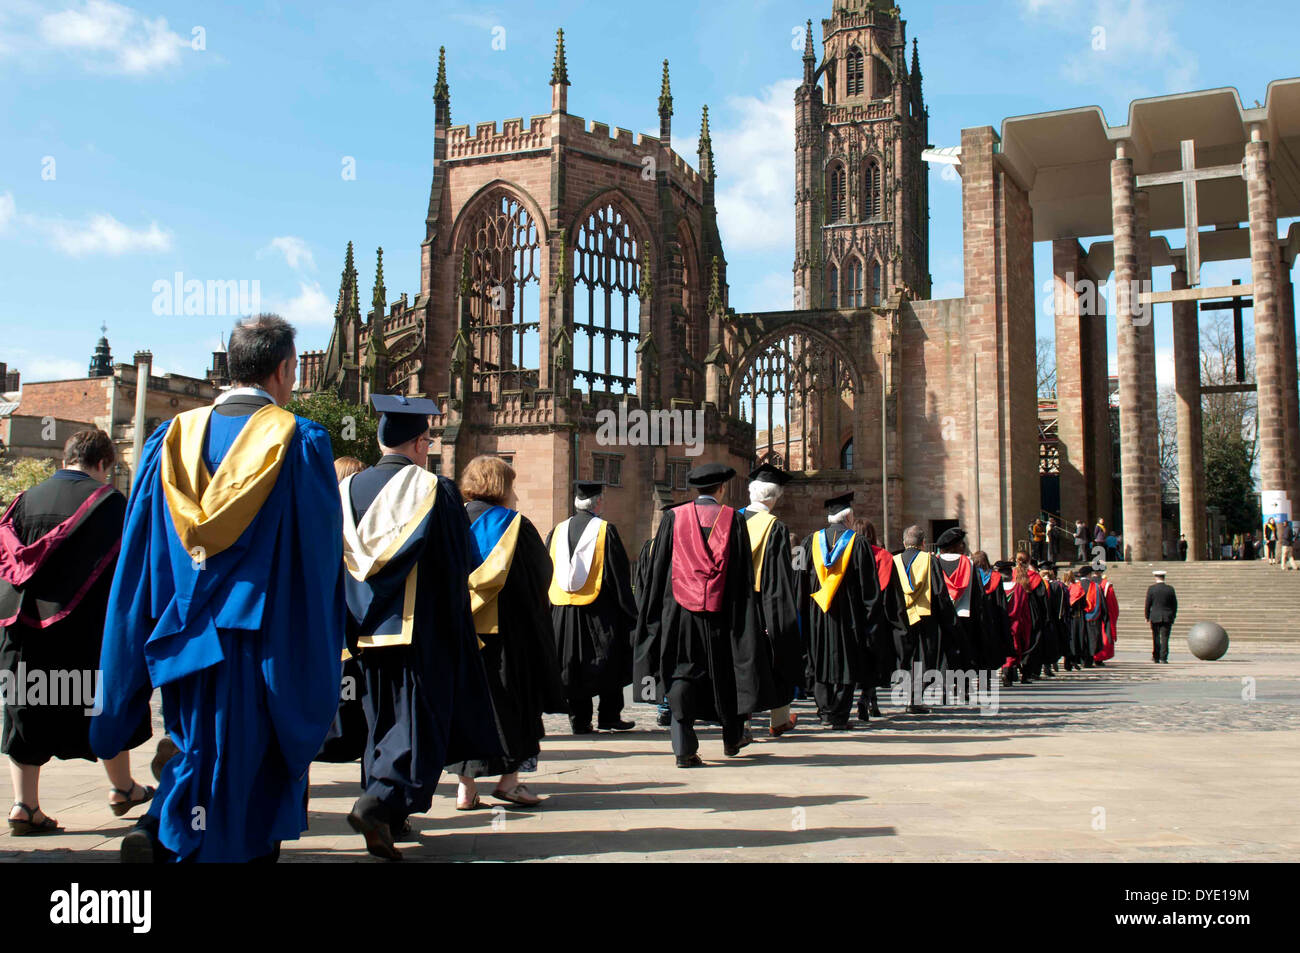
(861,197)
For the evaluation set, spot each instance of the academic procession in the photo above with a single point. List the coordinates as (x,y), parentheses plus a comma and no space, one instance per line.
(289,608)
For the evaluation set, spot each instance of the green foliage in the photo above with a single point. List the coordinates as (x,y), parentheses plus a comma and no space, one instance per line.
(1230,484)
(21,474)
(337,416)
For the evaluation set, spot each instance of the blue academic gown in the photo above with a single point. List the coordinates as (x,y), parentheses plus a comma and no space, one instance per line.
(246,651)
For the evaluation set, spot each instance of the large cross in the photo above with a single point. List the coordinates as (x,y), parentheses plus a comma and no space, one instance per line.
(1187,177)
(1237,305)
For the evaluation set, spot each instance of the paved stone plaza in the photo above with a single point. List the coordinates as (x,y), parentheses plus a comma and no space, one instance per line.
(1183,768)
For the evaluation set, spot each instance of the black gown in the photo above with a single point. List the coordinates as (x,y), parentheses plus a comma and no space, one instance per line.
(995,645)
(594,642)
(840,643)
(963,651)
(426,703)
(723,652)
(53,599)
(924,641)
(522,668)
(778,613)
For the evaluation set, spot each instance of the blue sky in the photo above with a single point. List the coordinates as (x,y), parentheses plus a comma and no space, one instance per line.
(209,139)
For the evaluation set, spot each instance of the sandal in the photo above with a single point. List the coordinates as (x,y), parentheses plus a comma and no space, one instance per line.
(473,805)
(519,794)
(24,827)
(121,807)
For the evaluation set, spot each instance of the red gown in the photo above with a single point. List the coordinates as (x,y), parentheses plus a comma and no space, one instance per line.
(1108,630)
(1022,622)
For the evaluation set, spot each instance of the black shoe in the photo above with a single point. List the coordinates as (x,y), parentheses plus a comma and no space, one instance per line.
(875,711)
(864,716)
(664,719)
(840,726)
(370,819)
(138,846)
(405,832)
(582,729)
(1048,673)
(917,710)
(731,751)
(1101,664)
(692,762)
(619,725)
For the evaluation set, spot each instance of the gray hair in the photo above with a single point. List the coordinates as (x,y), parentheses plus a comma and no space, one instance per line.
(760,491)
(257,347)
(913,537)
(586,505)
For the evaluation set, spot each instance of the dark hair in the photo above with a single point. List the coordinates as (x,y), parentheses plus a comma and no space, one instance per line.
(865,527)
(257,347)
(89,448)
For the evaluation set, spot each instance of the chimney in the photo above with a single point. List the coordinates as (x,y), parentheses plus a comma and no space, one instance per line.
(145,358)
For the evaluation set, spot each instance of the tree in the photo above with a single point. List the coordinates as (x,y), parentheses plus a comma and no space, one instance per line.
(1229,428)
(1167,434)
(1046,363)
(353,431)
(19,474)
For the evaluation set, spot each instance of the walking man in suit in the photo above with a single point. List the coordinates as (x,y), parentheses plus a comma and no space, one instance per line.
(1161,608)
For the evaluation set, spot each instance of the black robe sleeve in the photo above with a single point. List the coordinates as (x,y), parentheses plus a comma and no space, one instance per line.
(779,603)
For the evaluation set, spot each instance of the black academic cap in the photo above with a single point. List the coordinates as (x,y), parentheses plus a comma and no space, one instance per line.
(1084,570)
(837,503)
(709,474)
(950,537)
(1047,566)
(1004,565)
(770,474)
(589,489)
(404,418)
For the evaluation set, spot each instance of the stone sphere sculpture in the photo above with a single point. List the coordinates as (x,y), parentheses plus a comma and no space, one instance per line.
(1207,641)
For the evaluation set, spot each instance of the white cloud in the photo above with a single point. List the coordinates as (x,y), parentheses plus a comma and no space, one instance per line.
(755,169)
(1116,41)
(295,251)
(8,209)
(104,235)
(310,306)
(99,35)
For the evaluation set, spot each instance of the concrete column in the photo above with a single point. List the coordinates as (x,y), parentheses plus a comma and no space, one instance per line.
(1269,337)
(1069,276)
(1187,389)
(1290,383)
(1137,371)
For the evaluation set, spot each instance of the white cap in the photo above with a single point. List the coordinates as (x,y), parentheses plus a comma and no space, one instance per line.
(1157,572)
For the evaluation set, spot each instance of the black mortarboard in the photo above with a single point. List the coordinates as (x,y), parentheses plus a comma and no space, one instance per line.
(1004,566)
(589,489)
(403,418)
(709,474)
(837,503)
(770,474)
(1084,571)
(950,537)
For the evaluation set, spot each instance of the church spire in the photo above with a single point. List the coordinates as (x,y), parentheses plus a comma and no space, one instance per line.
(706,149)
(380,298)
(809,57)
(441,92)
(560,69)
(665,95)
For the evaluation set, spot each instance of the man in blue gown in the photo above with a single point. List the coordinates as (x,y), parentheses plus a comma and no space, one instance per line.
(228,596)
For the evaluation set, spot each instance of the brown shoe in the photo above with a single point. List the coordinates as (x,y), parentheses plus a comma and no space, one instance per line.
(166,751)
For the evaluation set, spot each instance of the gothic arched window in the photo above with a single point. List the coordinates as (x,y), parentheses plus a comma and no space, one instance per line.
(846,455)
(832,287)
(854,72)
(505,294)
(872,203)
(783,393)
(877,288)
(882,80)
(855,290)
(836,194)
(607,258)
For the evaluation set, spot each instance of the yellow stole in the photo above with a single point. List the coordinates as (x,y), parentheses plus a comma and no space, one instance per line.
(590,589)
(759,526)
(829,577)
(486,581)
(916,589)
(395,514)
(211,511)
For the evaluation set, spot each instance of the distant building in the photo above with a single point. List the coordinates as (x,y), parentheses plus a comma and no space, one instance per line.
(46,413)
